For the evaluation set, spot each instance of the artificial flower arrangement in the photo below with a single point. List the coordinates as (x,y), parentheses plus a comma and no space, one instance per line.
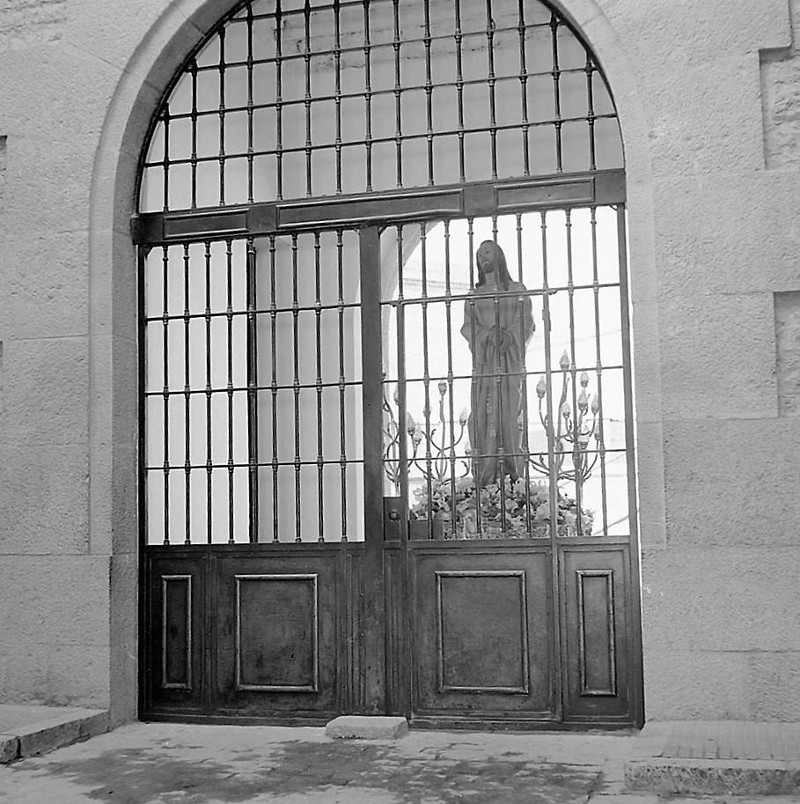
(526,504)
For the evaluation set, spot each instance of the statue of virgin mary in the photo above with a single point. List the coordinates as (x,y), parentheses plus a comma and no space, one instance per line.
(498,323)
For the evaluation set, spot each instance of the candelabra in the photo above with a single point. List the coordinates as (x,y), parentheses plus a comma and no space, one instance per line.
(434,457)
(576,430)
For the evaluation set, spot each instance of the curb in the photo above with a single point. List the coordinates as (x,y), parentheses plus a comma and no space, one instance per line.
(54,732)
(733,777)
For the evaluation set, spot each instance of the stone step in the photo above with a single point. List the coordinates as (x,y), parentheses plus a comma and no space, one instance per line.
(26,731)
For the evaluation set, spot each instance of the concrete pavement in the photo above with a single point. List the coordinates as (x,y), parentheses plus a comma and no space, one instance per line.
(190,764)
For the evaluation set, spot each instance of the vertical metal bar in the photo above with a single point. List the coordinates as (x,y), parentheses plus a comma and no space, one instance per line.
(318,328)
(490,80)
(473,389)
(250,157)
(229,317)
(556,72)
(337,97)
(222,66)
(298,536)
(599,369)
(398,125)
(591,117)
(342,386)
(524,381)
(166,157)
(186,396)
(458,36)
(402,404)
(368,96)
(451,417)
(556,663)
(252,387)
(426,377)
(577,458)
(307,95)
(193,70)
(428,89)
(207,316)
(278,105)
(273,315)
(523,81)
(500,375)
(552,416)
(165,389)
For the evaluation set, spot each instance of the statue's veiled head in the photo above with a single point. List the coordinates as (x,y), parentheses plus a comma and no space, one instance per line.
(492,266)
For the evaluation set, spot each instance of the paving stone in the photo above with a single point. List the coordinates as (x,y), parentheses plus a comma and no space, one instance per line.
(362,727)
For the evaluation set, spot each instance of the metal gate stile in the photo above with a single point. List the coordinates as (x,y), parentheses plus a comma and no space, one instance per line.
(377,475)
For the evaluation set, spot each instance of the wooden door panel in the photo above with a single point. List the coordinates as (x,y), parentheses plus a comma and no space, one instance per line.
(276,631)
(482,631)
(597,642)
(174,660)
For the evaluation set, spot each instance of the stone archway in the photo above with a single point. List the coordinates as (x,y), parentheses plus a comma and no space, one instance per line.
(113,326)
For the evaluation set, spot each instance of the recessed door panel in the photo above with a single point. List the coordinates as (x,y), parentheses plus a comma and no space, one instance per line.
(483,632)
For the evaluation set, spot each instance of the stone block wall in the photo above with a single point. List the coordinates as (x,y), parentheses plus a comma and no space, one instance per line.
(706,94)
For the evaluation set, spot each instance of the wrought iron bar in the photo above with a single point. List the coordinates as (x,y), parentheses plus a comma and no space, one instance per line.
(342,385)
(554,23)
(599,370)
(367,97)
(337,99)
(426,378)
(222,67)
(250,105)
(398,131)
(490,81)
(187,398)
(428,90)
(307,93)
(274,387)
(524,382)
(229,311)
(279,150)
(209,470)
(460,129)
(318,332)
(523,81)
(449,386)
(193,162)
(590,115)
(298,536)
(165,391)
(579,405)
(252,393)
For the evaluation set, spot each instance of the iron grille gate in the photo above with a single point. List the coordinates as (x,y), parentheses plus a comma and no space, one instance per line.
(324,529)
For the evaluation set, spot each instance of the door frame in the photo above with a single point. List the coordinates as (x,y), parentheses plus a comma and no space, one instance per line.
(386,619)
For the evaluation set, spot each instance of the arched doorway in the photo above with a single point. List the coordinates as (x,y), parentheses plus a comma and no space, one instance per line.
(325,530)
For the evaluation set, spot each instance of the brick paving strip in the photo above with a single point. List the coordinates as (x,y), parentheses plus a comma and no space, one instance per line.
(716,757)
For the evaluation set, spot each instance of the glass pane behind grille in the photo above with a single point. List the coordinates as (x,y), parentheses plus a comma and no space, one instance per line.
(293,100)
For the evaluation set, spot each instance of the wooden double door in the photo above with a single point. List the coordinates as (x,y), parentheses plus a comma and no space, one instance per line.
(336,552)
